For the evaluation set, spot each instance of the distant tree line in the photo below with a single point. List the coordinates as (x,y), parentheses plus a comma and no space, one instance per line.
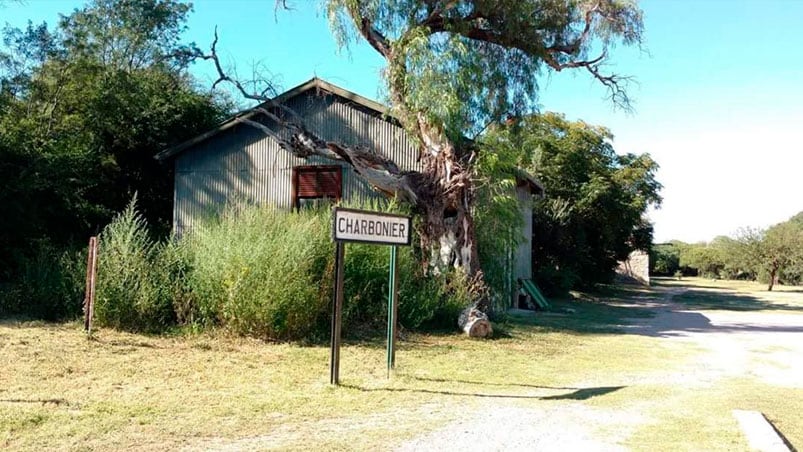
(773,255)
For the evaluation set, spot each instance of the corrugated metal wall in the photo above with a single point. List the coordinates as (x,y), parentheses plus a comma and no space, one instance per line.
(244,164)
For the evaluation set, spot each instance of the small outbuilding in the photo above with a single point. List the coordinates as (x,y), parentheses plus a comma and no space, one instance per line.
(237,162)
(634,270)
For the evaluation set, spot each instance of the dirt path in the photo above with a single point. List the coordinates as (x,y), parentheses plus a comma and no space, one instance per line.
(763,345)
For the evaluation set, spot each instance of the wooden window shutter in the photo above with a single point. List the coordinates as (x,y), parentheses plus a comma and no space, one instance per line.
(322,181)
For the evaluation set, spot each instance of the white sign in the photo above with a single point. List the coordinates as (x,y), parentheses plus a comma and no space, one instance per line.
(370,227)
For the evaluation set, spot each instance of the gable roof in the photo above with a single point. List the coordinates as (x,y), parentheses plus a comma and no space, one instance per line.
(313,84)
(318,85)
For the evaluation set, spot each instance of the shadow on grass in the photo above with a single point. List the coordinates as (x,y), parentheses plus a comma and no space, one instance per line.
(585,393)
(484,383)
(56,402)
(611,316)
(698,284)
(725,300)
(578,394)
(680,323)
(630,310)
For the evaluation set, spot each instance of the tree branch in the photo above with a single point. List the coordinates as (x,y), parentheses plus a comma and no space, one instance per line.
(376,39)
(477,26)
(295,137)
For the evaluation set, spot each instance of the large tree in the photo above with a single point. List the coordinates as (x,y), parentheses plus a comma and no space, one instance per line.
(84,106)
(593,215)
(453,68)
(782,252)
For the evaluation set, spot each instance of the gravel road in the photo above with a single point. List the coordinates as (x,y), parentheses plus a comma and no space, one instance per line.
(764,345)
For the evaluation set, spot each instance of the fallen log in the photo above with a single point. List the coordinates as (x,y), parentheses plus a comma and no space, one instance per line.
(474,323)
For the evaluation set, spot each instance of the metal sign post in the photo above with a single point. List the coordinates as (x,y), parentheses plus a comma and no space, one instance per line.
(392,302)
(337,309)
(377,228)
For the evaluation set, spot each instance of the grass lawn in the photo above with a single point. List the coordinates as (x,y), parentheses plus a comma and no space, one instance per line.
(60,390)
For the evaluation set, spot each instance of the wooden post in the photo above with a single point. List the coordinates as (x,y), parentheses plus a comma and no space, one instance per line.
(337,306)
(91,270)
(392,310)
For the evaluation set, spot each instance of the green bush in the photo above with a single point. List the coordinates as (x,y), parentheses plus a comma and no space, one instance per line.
(267,273)
(257,271)
(429,302)
(555,281)
(49,286)
(264,273)
(133,283)
(365,286)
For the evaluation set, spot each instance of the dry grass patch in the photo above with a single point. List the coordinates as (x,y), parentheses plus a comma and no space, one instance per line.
(120,390)
(124,391)
(701,418)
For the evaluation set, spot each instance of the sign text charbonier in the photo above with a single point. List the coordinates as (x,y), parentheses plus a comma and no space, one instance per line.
(370,227)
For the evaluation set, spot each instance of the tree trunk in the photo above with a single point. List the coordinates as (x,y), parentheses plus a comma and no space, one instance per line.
(448,233)
(773,276)
(474,323)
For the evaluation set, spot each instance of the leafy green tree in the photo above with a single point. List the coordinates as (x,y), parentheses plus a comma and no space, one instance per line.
(704,258)
(782,251)
(773,255)
(593,215)
(454,67)
(86,105)
(664,259)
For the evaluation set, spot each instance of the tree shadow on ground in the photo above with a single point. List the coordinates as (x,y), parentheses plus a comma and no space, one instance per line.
(485,383)
(585,393)
(577,394)
(682,323)
(582,317)
(670,283)
(723,300)
(633,311)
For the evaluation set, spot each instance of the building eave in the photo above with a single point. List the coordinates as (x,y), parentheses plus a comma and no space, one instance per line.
(534,184)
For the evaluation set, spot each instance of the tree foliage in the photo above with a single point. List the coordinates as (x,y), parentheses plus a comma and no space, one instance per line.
(593,214)
(85,106)
(770,255)
(467,63)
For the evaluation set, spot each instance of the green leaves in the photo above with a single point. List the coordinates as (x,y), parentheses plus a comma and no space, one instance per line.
(83,109)
(772,255)
(592,215)
(468,63)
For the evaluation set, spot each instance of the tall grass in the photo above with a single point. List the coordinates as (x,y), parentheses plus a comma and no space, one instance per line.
(261,272)
(133,280)
(49,285)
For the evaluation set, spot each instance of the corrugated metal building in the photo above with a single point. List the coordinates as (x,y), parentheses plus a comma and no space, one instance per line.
(238,162)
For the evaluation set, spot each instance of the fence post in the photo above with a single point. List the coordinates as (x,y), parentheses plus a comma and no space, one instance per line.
(91,270)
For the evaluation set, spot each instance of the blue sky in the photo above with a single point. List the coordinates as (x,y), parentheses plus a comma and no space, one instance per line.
(718,99)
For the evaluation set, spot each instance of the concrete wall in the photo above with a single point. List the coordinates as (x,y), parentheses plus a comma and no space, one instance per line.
(523,258)
(636,269)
